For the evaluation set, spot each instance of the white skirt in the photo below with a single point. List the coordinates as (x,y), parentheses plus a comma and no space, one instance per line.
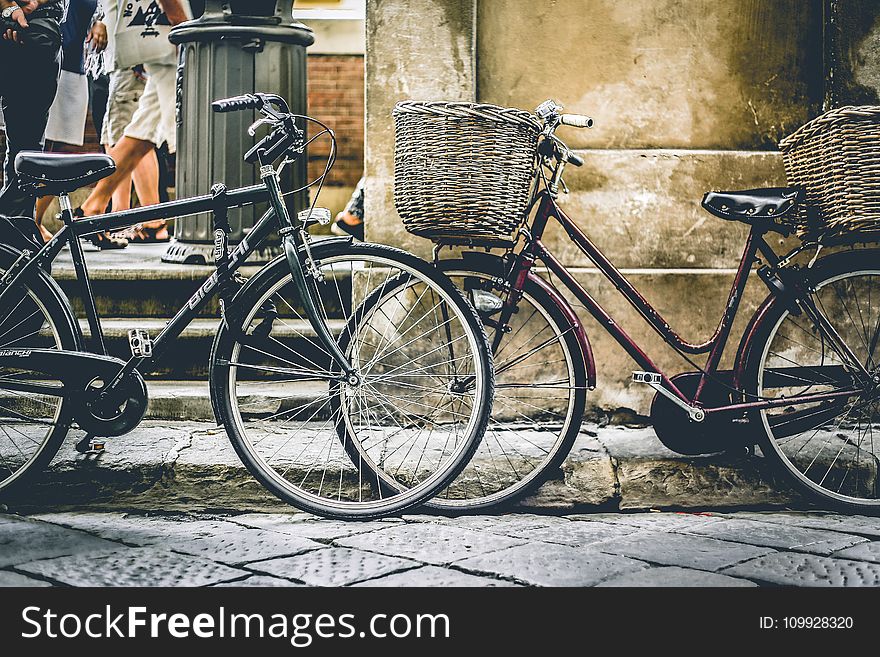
(67,116)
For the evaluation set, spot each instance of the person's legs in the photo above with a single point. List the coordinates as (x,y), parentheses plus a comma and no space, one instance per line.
(146,184)
(127,154)
(154,121)
(44,202)
(145,177)
(148,126)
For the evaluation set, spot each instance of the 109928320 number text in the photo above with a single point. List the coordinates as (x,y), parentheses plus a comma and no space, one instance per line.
(807,623)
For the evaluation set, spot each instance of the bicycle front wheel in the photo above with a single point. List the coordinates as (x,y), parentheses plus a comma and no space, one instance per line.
(381,444)
(828,446)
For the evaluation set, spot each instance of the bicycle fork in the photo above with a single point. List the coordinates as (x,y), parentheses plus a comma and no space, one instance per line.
(304,278)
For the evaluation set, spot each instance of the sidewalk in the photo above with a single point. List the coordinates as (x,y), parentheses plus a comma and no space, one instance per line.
(191,467)
(293,549)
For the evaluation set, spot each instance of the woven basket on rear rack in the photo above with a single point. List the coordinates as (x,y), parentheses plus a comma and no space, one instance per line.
(463,171)
(836,159)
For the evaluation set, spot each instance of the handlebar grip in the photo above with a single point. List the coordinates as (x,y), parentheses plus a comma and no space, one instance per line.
(576,120)
(237,104)
(575,160)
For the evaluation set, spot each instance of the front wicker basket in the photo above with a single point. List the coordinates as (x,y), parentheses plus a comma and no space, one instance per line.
(836,159)
(463,171)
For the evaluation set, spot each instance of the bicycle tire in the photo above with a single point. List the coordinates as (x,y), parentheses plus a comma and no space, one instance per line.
(43,303)
(267,287)
(507,487)
(781,441)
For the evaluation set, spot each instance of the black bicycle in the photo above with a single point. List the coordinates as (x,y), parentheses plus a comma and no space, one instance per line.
(354,380)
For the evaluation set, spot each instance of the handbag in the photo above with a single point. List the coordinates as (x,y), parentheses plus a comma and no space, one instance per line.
(142,30)
(43,33)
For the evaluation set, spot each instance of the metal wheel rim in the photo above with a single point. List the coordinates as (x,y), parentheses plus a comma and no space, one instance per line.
(374,505)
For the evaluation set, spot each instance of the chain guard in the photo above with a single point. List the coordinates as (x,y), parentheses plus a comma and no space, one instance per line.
(80,372)
(112,418)
(677,432)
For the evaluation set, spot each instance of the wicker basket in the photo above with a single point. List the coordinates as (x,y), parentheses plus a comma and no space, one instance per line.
(836,159)
(463,171)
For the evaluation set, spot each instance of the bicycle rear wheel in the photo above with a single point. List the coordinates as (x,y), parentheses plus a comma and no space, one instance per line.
(32,424)
(829,448)
(385,443)
(540,394)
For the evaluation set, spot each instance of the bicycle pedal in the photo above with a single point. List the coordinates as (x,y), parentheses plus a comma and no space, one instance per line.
(141,343)
(315,215)
(649,378)
(91,445)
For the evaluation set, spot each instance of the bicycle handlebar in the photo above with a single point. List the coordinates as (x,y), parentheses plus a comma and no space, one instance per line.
(250,102)
(282,138)
(237,104)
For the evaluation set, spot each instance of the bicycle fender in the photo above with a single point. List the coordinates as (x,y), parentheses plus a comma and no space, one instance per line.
(577,325)
(488,262)
(55,290)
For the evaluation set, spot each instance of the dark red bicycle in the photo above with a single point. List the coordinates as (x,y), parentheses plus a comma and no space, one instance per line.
(804,387)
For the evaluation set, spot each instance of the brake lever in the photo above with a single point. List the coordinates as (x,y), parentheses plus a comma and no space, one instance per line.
(252,131)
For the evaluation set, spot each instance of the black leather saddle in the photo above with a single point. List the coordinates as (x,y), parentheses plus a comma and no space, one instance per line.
(52,174)
(753,206)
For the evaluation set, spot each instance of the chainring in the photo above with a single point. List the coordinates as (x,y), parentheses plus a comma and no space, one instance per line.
(676,430)
(116,418)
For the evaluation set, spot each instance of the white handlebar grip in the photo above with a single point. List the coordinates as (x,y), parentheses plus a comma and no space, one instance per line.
(577,120)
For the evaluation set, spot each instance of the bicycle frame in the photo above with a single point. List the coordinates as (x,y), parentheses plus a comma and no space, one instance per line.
(535,250)
(218,282)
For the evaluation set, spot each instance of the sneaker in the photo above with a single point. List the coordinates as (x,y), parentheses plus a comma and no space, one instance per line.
(343,229)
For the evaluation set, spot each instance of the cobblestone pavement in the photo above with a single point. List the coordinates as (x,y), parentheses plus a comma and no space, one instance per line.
(603,549)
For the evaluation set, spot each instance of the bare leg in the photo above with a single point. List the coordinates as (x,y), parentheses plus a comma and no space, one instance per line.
(146,183)
(146,179)
(122,195)
(127,153)
(43,204)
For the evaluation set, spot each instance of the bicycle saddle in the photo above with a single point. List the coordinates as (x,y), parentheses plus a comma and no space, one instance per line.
(52,174)
(750,205)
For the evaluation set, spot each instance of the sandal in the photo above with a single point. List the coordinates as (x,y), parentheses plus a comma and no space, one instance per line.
(107,241)
(104,241)
(145,235)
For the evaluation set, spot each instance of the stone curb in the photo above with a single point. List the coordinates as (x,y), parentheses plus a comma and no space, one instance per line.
(190,466)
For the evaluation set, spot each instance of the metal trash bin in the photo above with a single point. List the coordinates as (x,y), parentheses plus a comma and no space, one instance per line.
(232,49)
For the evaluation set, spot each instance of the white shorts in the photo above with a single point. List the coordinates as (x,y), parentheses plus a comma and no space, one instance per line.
(142,110)
(124,93)
(155,119)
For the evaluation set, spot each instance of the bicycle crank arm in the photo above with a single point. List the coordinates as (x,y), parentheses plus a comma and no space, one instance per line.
(655,381)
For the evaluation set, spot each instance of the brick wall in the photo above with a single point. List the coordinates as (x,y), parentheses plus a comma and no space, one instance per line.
(336,96)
